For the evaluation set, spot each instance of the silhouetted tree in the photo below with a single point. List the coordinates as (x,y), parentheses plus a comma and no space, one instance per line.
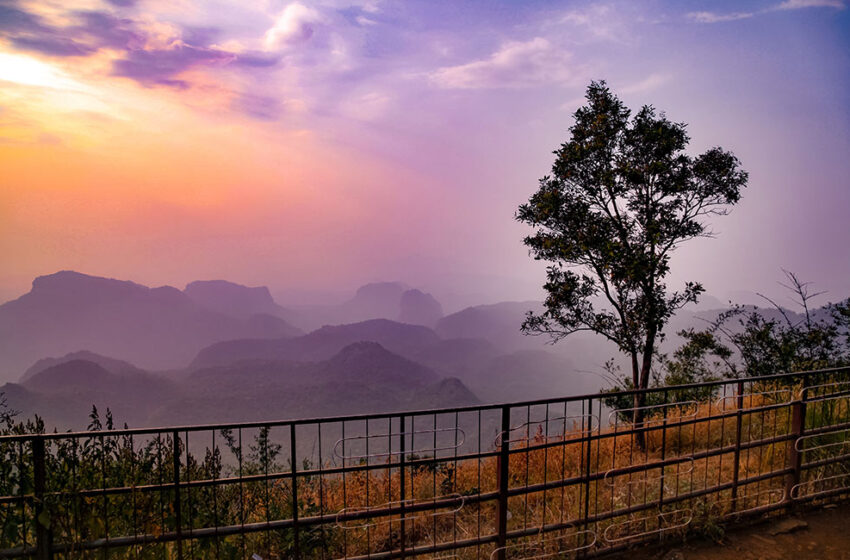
(745,340)
(622,196)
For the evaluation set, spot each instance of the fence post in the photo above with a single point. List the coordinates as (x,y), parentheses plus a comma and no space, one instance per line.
(588,434)
(293,460)
(795,458)
(402,487)
(43,534)
(664,451)
(739,424)
(502,465)
(175,461)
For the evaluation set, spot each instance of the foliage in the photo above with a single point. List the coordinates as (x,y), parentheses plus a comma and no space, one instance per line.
(747,341)
(622,197)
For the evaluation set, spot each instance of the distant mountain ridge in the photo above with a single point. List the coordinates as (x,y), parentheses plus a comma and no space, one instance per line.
(319,344)
(362,377)
(157,328)
(219,348)
(116,367)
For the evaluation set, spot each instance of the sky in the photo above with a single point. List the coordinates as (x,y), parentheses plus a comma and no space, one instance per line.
(316,146)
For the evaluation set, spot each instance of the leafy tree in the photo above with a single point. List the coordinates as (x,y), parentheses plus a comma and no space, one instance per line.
(7,414)
(622,197)
(748,341)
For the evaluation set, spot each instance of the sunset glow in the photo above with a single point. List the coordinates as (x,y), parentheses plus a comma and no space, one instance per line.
(322,145)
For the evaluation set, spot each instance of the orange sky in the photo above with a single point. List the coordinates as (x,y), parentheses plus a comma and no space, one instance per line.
(320,145)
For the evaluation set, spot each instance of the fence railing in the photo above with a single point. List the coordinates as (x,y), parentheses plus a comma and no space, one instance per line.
(573,476)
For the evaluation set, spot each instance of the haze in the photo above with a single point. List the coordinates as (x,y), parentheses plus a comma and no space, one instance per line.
(315,147)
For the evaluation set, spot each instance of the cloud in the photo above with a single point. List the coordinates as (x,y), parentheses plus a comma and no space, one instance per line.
(294,25)
(597,22)
(148,57)
(91,31)
(514,65)
(650,83)
(799,4)
(52,46)
(259,107)
(104,30)
(163,66)
(713,17)
(29,32)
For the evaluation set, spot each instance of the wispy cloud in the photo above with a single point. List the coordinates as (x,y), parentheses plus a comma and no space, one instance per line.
(711,17)
(295,24)
(145,51)
(714,17)
(650,83)
(597,22)
(514,65)
(799,4)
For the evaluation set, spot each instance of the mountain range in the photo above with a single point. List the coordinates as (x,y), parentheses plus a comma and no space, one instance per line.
(218,351)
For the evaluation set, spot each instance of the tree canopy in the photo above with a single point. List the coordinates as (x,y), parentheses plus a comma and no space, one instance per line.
(622,196)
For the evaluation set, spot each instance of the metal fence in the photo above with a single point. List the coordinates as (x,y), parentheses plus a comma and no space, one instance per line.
(571,476)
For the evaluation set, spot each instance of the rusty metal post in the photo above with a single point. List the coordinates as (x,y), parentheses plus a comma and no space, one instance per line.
(402,484)
(739,422)
(43,534)
(502,466)
(293,460)
(795,458)
(588,434)
(178,521)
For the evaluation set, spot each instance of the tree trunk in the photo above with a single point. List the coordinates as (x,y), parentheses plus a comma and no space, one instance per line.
(642,378)
(638,404)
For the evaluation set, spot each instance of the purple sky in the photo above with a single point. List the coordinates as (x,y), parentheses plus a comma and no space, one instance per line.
(318,146)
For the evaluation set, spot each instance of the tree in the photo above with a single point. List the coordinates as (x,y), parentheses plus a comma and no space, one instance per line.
(782,340)
(622,197)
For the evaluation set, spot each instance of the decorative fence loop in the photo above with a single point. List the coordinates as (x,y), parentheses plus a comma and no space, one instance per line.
(722,401)
(399,508)
(592,424)
(775,497)
(798,491)
(667,521)
(799,444)
(687,410)
(612,476)
(842,393)
(529,550)
(339,446)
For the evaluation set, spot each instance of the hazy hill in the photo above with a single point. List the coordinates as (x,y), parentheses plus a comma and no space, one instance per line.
(419,308)
(117,367)
(156,328)
(63,394)
(378,300)
(498,323)
(320,344)
(240,301)
(362,377)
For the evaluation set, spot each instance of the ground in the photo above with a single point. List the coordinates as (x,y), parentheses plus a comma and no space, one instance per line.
(824,534)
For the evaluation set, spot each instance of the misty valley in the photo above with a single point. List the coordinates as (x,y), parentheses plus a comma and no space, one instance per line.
(220,352)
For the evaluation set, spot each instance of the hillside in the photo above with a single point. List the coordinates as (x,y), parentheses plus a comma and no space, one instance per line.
(156,328)
(359,378)
(319,344)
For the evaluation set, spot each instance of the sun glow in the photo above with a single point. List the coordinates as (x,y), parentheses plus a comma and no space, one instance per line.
(28,71)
